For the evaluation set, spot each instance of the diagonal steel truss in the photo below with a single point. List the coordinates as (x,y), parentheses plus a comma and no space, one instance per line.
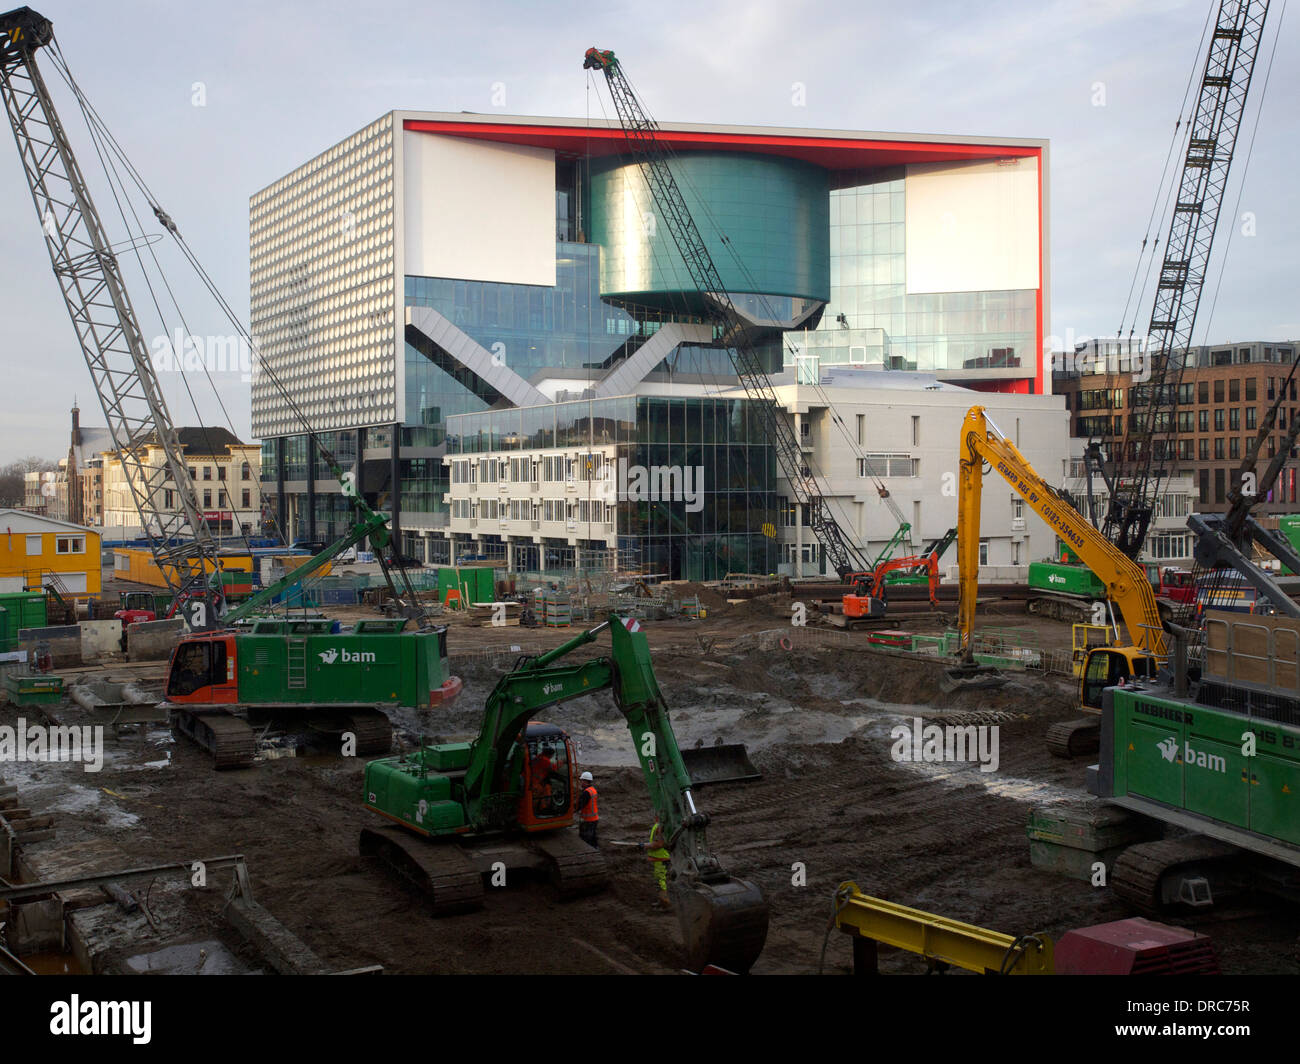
(107,329)
(1144,453)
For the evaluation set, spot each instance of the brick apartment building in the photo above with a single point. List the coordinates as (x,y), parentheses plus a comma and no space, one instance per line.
(1220,403)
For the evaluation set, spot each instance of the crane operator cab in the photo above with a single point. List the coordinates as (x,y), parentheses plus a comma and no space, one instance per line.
(546,798)
(1110,667)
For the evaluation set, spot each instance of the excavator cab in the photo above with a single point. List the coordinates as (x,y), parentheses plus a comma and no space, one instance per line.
(1109,667)
(546,799)
(202,670)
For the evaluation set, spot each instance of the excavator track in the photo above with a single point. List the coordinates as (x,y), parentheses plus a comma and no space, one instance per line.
(438,869)
(372,728)
(575,868)
(1074,738)
(1138,875)
(230,741)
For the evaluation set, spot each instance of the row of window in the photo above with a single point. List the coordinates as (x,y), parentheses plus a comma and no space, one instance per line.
(1185,394)
(62,545)
(553,469)
(489,509)
(245,472)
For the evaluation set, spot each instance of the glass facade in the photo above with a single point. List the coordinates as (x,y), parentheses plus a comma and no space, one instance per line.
(772,210)
(921,331)
(716,442)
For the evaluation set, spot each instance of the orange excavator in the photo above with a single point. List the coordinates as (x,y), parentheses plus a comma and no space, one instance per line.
(869,596)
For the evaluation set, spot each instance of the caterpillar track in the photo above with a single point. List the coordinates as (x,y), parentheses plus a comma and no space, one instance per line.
(231,741)
(1148,875)
(1074,738)
(442,872)
(372,728)
(450,872)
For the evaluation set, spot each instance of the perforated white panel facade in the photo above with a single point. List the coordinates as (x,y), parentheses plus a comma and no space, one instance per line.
(324,289)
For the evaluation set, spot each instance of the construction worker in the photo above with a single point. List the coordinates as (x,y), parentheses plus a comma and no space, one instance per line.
(588,814)
(659,858)
(543,768)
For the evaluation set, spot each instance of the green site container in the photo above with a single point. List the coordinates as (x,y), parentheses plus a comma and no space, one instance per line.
(1066,580)
(24,609)
(475,583)
(302,665)
(26,689)
(1190,757)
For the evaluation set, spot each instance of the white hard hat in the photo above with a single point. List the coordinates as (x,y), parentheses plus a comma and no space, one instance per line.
(586,776)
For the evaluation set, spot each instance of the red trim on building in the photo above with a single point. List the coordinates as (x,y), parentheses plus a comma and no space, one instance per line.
(833,153)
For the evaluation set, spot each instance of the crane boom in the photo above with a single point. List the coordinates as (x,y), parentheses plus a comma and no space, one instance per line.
(643,141)
(1126,582)
(107,329)
(1139,467)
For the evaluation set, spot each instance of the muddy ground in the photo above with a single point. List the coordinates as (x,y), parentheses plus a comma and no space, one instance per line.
(945,838)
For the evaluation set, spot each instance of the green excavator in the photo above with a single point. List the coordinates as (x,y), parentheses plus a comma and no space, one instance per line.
(505,802)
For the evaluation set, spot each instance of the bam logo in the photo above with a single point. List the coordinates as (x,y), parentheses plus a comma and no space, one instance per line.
(346,657)
(1190,756)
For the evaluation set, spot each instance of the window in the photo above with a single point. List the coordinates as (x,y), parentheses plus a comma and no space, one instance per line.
(221,472)
(207,497)
(1234,391)
(1203,421)
(245,472)
(1218,421)
(1185,450)
(862,427)
(1015,552)
(1017,508)
(194,472)
(1203,392)
(1204,484)
(1218,485)
(70,545)
(1234,447)
(1234,419)
(789,513)
(1218,447)
(207,472)
(888,465)
(1250,417)
(33,545)
(916,430)
(1250,390)
(984,552)
(1218,391)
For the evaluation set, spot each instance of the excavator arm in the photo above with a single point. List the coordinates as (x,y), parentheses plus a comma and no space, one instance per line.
(723,920)
(1126,583)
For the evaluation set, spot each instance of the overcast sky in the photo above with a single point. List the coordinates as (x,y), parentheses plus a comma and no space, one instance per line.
(280,81)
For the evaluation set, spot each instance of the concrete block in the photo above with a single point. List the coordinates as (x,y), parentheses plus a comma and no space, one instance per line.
(99,638)
(153,640)
(283,950)
(64,641)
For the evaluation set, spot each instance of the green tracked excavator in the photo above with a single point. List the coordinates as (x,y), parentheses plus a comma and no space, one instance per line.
(462,812)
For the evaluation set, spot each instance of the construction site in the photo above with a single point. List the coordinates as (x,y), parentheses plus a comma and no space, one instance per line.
(476,747)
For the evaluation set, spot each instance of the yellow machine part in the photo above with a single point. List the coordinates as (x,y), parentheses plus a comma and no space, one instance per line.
(938,939)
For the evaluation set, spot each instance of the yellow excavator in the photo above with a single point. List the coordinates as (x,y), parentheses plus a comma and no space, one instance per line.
(1127,587)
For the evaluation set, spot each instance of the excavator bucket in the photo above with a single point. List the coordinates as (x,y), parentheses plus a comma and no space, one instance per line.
(970,677)
(723,924)
(725,763)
